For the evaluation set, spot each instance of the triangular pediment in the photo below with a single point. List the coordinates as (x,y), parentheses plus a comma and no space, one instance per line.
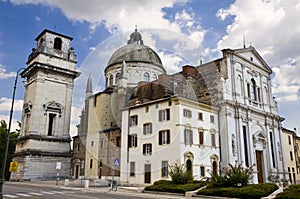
(252,56)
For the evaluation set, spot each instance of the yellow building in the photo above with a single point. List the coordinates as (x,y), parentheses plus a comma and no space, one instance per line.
(291,159)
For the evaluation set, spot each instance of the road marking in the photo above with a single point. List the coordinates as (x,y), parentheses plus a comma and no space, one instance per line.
(46,192)
(10,196)
(23,194)
(36,194)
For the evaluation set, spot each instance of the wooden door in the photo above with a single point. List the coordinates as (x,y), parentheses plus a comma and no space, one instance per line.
(259,166)
(147,173)
(76,171)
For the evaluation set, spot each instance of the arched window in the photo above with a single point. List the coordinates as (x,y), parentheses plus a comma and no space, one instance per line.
(111,80)
(146,77)
(189,165)
(154,76)
(253,90)
(117,78)
(215,167)
(57,43)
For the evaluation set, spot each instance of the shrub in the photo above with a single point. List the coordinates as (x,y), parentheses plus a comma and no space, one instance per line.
(233,176)
(246,192)
(292,192)
(169,186)
(179,175)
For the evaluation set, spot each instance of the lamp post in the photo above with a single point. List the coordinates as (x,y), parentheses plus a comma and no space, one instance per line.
(8,132)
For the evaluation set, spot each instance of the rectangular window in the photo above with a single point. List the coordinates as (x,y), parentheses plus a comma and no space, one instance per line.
(164,137)
(51,124)
(201,137)
(291,155)
(202,171)
(118,141)
(248,90)
(147,149)
(132,140)
(91,163)
(134,120)
(164,115)
(132,169)
(213,139)
(245,145)
(78,147)
(188,136)
(147,128)
(290,142)
(258,94)
(212,119)
(101,144)
(200,116)
(164,169)
(187,113)
(147,109)
(272,149)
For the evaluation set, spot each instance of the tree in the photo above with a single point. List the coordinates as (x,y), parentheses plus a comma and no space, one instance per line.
(11,148)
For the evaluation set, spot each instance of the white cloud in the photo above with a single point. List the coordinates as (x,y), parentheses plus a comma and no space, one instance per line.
(75,120)
(5,104)
(37,18)
(4,74)
(114,14)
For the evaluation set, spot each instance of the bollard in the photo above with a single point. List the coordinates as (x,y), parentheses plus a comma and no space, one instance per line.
(67,182)
(86,184)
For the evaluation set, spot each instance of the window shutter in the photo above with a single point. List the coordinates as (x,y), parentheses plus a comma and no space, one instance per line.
(150,146)
(135,139)
(150,128)
(185,136)
(144,149)
(191,136)
(168,136)
(129,140)
(160,138)
(201,137)
(160,115)
(144,129)
(168,114)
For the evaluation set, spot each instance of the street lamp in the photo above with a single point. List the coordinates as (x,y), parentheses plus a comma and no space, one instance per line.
(8,132)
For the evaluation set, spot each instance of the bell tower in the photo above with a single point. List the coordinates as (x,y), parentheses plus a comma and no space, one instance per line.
(44,140)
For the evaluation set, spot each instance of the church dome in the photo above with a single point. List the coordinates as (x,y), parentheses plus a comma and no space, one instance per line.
(135,51)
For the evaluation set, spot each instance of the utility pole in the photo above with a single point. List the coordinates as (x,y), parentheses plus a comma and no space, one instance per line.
(8,133)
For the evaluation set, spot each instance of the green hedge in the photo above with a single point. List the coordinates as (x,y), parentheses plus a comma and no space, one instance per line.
(246,192)
(169,186)
(292,192)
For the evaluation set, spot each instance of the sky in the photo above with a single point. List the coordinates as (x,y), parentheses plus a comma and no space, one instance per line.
(181,31)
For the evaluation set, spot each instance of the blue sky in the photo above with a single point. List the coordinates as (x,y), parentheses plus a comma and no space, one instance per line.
(206,26)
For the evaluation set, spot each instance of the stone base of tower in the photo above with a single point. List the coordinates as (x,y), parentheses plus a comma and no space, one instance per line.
(40,167)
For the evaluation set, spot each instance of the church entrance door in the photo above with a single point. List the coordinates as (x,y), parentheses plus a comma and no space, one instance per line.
(259,166)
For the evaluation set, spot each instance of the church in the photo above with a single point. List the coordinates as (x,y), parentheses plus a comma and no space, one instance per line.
(203,117)
(145,120)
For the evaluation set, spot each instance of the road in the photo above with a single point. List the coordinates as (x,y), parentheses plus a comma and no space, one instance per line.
(27,190)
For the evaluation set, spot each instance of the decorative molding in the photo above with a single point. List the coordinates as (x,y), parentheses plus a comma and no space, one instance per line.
(53,107)
(27,107)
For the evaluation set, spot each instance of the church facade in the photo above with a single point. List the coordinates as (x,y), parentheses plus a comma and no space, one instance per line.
(204,117)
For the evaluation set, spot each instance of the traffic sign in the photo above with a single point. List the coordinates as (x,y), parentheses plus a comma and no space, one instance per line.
(117,162)
(13,167)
